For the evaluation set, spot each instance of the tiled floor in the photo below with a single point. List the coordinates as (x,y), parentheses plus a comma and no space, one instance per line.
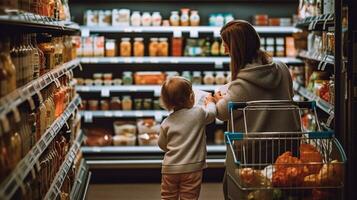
(209,191)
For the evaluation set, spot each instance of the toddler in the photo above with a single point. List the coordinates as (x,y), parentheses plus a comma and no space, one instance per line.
(182,137)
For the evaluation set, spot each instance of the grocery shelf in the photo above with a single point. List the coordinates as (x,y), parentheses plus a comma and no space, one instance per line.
(88,115)
(144,164)
(35,23)
(25,93)
(323,58)
(141,149)
(23,168)
(141,156)
(55,188)
(322,104)
(81,184)
(318,23)
(193,30)
(217,61)
(193,1)
(156,89)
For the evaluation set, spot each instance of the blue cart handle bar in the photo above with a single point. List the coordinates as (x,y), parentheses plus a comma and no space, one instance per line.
(300,104)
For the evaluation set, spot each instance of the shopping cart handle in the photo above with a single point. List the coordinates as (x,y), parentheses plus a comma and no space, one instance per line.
(306,104)
(230,136)
(300,104)
(236,105)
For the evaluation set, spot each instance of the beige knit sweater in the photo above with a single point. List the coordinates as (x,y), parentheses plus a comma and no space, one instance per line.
(183,138)
(260,82)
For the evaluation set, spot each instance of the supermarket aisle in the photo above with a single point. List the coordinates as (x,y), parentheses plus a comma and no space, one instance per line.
(210,191)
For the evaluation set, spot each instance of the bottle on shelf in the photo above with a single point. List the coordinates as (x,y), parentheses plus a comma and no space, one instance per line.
(175,18)
(7,68)
(194,18)
(125,47)
(135,19)
(139,47)
(185,18)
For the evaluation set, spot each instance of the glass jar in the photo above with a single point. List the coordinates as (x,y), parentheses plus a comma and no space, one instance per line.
(125,47)
(153,47)
(280,51)
(175,18)
(127,78)
(176,48)
(206,48)
(194,18)
(107,76)
(228,17)
(163,47)
(185,18)
(110,48)
(208,79)
(115,103)
(156,104)
(88,82)
(219,20)
(215,48)
(156,19)
(98,46)
(146,19)
(187,75)
(127,103)
(147,104)
(222,49)
(220,78)
(121,17)
(139,47)
(102,19)
(138,104)
(104,105)
(97,76)
(196,78)
(93,104)
(135,19)
(8,83)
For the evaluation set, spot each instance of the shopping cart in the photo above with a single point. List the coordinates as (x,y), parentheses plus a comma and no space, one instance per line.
(282,165)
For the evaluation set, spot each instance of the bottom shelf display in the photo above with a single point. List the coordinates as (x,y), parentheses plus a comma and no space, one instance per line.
(82,179)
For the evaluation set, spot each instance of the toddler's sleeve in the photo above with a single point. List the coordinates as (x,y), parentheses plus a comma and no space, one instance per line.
(162,140)
(210,113)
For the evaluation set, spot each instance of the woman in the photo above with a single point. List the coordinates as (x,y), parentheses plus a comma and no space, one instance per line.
(254,77)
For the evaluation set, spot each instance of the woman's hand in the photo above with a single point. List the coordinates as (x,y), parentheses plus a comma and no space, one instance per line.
(218,96)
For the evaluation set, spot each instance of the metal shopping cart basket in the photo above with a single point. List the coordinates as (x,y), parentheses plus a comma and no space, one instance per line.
(293,164)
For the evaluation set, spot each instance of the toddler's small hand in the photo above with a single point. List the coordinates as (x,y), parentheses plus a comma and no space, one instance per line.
(209,99)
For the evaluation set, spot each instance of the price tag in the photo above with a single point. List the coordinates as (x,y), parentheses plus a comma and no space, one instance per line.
(57,82)
(127,60)
(194,33)
(157,91)
(108,114)
(84,88)
(127,30)
(138,30)
(216,33)
(177,33)
(174,60)
(154,60)
(85,32)
(218,64)
(88,117)
(139,60)
(113,60)
(105,92)
(118,114)
(139,113)
(16,113)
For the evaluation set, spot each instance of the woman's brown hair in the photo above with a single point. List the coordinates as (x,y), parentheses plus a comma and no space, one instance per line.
(243,44)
